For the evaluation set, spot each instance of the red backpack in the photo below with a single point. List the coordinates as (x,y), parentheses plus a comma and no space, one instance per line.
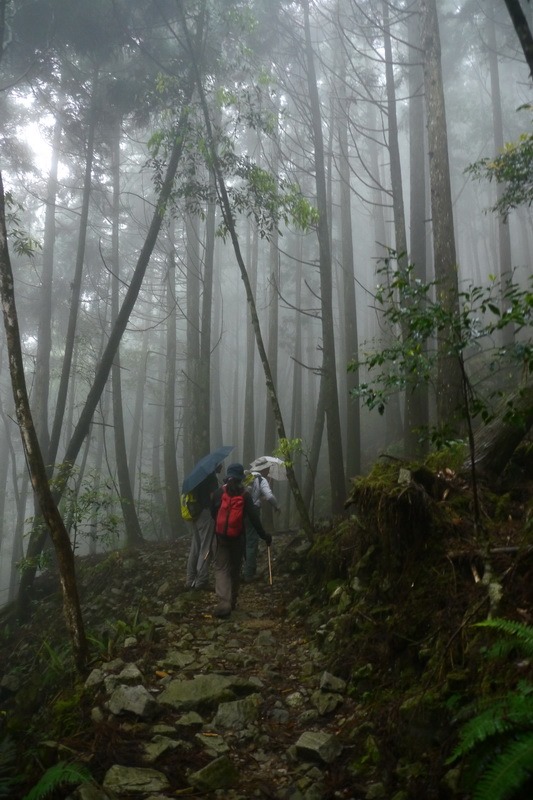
(230,515)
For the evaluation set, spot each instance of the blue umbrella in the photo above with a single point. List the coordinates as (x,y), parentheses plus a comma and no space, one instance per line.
(205,467)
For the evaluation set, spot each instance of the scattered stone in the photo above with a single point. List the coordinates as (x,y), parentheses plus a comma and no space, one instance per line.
(330,683)
(133,700)
(318,747)
(213,743)
(326,702)
(95,678)
(203,691)
(218,774)
(159,745)
(131,675)
(135,780)
(238,713)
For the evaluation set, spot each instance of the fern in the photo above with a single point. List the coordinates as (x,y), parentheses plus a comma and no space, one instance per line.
(508,772)
(497,744)
(521,633)
(505,715)
(58,775)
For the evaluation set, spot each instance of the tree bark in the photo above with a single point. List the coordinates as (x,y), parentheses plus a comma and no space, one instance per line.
(70,337)
(34,458)
(329,367)
(449,392)
(349,306)
(134,535)
(169,414)
(504,234)
(417,399)
(523,31)
(104,366)
(230,224)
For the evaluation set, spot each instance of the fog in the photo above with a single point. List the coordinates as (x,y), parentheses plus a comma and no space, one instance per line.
(313,118)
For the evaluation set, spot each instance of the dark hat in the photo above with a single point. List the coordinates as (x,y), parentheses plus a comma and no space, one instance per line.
(235,471)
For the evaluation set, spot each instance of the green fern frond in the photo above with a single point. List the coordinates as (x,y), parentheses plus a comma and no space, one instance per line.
(522,633)
(514,712)
(58,775)
(508,772)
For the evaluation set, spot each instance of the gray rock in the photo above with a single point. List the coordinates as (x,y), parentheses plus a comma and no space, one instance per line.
(178,659)
(295,700)
(307,716)
(113,666)
(326,702)
(190,719)
(204,691)
(213,743)
(279,715)
(133,700)
(318,747)
(131,675)
(238,713)
(95,678)
(218,774)
(135,780)
(158,746)
(330,683)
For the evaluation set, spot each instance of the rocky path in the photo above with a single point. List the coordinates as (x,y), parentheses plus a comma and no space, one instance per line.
(187,704)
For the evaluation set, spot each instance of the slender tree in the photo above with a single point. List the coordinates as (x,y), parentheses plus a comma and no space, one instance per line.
(449,379)
(32,451)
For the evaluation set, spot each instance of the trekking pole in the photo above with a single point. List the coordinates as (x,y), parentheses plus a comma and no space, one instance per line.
(269,566)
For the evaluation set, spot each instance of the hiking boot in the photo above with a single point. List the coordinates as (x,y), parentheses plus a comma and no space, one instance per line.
(222,612)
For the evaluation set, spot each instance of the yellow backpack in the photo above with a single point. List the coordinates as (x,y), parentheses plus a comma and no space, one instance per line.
(189,506)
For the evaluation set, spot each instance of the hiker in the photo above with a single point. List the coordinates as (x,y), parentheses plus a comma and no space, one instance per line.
(201,527)
(260,491)
(231,508)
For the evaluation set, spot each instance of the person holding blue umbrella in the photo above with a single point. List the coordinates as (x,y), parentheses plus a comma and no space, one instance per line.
(201,483)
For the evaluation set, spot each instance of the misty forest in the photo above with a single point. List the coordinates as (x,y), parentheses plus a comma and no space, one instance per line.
(300,229)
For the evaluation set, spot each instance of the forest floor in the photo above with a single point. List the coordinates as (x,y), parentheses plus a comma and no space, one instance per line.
(346,677)
(138,613)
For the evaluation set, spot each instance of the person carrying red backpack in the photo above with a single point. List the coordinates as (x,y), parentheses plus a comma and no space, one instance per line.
(231,507)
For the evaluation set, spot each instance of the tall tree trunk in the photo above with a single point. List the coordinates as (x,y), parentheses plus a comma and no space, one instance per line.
(400,235)
(41,383)
(449,381)
(204,371)
(193,425)
(230,225)
(34,458)
(523,31)
(417,402)
(134,535)
(504,235)
(249,438)
(140,384)
(353,418)
(104,366)
(273,309)
(169,415)
(70,337)
(329,367)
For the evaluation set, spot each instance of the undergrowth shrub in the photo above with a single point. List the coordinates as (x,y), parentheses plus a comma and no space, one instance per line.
(496,744)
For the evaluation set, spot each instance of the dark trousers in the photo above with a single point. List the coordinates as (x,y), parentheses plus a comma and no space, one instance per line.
(228,560)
